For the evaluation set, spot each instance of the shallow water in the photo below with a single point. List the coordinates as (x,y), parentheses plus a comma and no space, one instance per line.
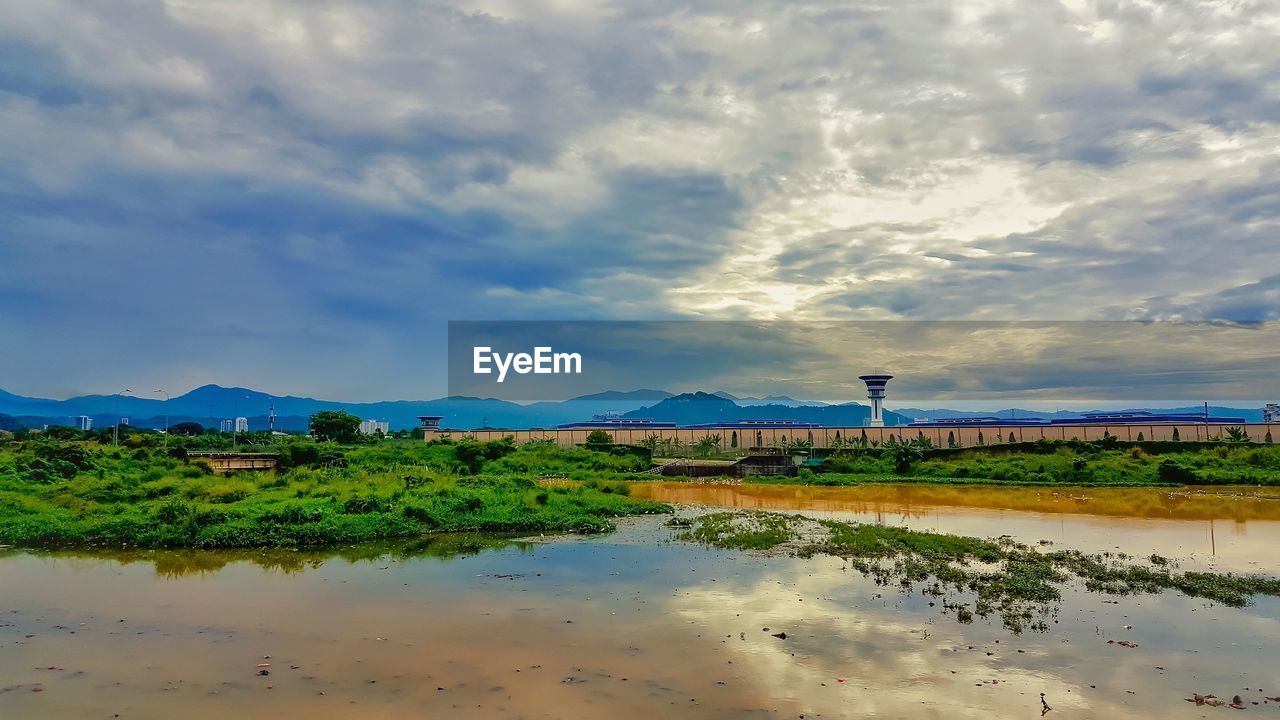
(628,625)
(1232,528)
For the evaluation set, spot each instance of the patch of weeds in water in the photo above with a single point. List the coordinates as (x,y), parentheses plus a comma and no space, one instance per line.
(742,531)
(1019,583)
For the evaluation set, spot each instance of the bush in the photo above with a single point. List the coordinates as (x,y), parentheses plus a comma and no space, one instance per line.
(1171,472)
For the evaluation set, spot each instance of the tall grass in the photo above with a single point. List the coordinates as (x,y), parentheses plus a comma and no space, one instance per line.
(1069,464)
(68,494)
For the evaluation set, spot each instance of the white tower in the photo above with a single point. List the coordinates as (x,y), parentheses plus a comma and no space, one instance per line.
(875,393)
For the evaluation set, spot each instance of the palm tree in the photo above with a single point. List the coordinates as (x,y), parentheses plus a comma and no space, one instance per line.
(708,444)
(903,454)
(1237,434)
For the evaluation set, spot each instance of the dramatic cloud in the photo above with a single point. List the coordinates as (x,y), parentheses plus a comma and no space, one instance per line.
(296,195)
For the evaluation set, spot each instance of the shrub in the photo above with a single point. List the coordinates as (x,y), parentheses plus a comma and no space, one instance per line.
(362,504)
(1170,471)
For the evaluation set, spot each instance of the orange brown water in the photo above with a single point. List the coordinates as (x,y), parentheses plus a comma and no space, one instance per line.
(629,625)
(1225,528)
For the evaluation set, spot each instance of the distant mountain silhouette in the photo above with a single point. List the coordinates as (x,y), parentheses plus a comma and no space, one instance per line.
(208,404)
(770,400)
(615,395)
(701,407)
(1249,414)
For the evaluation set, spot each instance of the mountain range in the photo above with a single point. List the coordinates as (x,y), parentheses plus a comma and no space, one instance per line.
(210,403)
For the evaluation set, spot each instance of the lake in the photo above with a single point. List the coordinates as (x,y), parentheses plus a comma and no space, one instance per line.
(636,624)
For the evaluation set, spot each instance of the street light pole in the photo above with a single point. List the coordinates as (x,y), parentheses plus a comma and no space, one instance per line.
(116,440)
(166,417)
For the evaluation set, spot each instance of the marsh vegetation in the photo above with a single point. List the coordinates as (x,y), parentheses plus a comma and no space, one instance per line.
(970,576)
(62,493)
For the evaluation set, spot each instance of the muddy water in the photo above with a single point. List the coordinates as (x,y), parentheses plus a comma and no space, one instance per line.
(1224,528)
(630,625)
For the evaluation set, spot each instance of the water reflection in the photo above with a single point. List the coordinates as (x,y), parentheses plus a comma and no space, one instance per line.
(602,626)
(1224,528)
(179,563)
(1239,503)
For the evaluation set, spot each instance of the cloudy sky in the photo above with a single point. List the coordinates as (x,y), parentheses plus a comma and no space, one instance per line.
(297,196)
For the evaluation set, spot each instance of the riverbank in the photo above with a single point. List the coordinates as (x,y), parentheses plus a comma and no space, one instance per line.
(1106,463)
(563,627)
(82,494)
(148,493)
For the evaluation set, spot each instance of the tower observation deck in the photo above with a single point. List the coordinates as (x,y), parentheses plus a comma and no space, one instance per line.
(875,393)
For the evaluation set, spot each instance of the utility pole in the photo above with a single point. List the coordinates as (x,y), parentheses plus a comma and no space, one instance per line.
(116,439)
(166,417)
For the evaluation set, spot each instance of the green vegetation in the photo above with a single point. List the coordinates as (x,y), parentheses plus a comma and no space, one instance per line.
(1100,463)
(146,493)
(335,425)
(1019,583)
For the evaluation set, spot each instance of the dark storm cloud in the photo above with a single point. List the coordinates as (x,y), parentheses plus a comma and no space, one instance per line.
(297,195)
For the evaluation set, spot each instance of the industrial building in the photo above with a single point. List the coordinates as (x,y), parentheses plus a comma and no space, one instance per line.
(747,435)
(1133,416)
(1271,413)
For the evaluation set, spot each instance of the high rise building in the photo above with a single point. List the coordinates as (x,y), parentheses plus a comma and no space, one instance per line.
(371,427)
(1271,413)
(242,424)
(84,422)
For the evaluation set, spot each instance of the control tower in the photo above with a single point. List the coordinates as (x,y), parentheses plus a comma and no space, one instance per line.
(875,393)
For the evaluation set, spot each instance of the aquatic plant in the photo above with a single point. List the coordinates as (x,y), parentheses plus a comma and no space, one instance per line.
(1019,583)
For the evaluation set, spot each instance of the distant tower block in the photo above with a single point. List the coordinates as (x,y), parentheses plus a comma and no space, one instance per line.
(875,393)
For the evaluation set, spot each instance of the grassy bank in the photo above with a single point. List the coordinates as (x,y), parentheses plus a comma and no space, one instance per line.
(84,494)
(1078,464)
(970,576)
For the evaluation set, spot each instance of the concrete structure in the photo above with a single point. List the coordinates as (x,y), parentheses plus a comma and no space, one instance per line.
(371,427)
(228,462)
(875,393)
(84,422)
(1113,418)
(751,465)
(242,424)
(1271,413)
(633,423)
(733,437)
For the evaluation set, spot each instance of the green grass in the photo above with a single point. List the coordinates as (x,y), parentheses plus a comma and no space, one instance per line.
(55,494)
(1020,584)
(1078,464)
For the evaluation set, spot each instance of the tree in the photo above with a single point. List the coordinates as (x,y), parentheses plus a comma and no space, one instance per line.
(335,425)
(708,444)
(599,437)
(903,454)
(1237,434)
(187,428)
